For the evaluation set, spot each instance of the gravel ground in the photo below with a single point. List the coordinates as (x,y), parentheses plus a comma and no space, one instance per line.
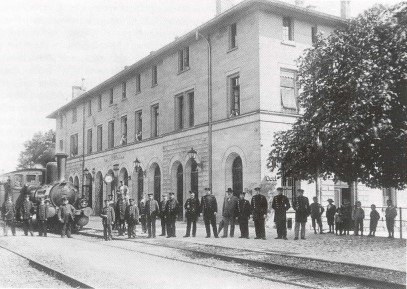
(15,272)
(101,266)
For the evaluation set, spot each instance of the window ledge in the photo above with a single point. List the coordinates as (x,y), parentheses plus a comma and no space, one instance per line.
(124,99)
(182,71)
(154,85)
(232,49)
(288,42)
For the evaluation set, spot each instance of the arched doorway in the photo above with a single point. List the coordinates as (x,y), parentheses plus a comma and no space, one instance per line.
(87,189)
(110,186)
(180,190)
(157,183)
(194,177)
(71,180)
(98,193)
(237,176)
(140,184)
(123,177)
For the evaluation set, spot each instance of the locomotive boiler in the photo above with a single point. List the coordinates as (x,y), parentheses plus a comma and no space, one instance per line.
(55,189)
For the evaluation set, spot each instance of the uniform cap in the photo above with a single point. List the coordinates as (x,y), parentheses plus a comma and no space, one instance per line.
(300,190)
(329,200)
(106,200)
(171,193)
(164,195)
(257,188)
(242,193)
(229,190)
(131,200)
(149,194)
(207,189)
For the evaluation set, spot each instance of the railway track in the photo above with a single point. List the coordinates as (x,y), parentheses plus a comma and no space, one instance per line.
(301,277)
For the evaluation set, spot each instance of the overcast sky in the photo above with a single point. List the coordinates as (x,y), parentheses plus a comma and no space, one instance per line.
(46,46)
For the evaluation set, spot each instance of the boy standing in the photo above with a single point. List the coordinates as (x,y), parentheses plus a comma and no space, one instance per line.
(374,218)
(316,213)
(358,215)
(391,213)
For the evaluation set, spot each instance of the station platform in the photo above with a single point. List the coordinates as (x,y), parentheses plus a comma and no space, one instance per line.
(378,252)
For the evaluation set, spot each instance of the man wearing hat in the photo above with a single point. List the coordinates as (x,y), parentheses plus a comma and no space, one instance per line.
(8,214)
(302,211)
(243,210)
(66,216)
(330,215)
(107,216)
(162,214)
(229,213)
(142,211)
(26,212)
(280,205)
(151,211)
(171,213)
(191,213)
(259,210)
(209,208)
(42,217)
(120,215)
(132,219)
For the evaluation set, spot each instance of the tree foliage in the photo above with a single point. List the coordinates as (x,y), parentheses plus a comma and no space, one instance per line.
(39,150)
(354,94)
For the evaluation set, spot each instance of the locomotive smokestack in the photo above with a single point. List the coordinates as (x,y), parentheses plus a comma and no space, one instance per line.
(61,163)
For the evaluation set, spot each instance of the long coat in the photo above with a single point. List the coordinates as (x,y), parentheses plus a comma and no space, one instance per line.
(302,209)
(192,208)
(243,209)
(152,209)
(209,205)
(26,210)
(132,214)
(42,212)
(121,210)
(66,213)
(230,207)
(8,211)
(171,209)
(280,205)
(107,215)
(330,211)
(259,206)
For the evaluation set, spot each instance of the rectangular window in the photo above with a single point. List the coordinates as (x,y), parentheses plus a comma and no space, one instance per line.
(110,134)
(191,104)
(154,75)
(74,115)
(314,32)
(183,59)
(138,83)
(111,96)
(139,126)
(99,138)
(287,29)
(232,36)
(289,90)
(61,122)
(155,120)
(123,125)
(74,145)
(123,90)
(100,102)
(61,145)
(179,112)
(234,90)
(90,107)
(31,178)
(89,141)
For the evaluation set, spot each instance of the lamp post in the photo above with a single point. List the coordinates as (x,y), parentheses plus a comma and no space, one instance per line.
(192,154)
(136,165)
(116,175)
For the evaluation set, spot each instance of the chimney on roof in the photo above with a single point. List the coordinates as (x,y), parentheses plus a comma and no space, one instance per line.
(78,90)
(345,9)
(223,5)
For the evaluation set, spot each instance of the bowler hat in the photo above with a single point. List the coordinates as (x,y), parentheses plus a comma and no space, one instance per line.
(300,190)
(207,189)
(329,200)
(257,188)
(229,190)
(150,194)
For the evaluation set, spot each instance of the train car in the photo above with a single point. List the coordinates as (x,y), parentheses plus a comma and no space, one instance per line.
(55,188)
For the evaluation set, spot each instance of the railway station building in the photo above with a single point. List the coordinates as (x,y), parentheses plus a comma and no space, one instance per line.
(200,111)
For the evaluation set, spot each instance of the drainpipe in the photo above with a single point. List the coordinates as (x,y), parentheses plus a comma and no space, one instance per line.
(83,147)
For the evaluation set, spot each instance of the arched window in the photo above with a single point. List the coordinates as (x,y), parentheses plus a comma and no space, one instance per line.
(180,190)
(157,183)
(237,176)
(140,184)
(194,177)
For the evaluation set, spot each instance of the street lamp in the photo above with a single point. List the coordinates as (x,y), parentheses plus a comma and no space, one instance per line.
(116,174)
(136,165)
(192,154)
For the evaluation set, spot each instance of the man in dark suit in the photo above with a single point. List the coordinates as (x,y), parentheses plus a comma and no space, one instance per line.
(42,217)
(162,215)
(120,215)
(243,210)
(280,205)
(151,211)
(191,213)
(26,212)
(171,212)
(8,214)
(302,211)
(229,213)
(131,216)
(209,208)
(259,210)
(107,216)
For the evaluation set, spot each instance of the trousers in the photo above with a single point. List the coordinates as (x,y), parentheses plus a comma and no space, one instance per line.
(163,225)
(297,229)
(189,221)
(107,231)
(151,226)
(9,223)
(171,226)
(358,226)
(210,220)
(259,227)
(42,228)
(281,228)
(244,227)
(27,226)
(226,222)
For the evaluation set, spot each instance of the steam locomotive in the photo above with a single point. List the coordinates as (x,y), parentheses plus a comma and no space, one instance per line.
(55,188)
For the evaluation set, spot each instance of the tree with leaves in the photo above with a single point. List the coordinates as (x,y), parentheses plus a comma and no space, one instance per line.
(354,95)
(39,150)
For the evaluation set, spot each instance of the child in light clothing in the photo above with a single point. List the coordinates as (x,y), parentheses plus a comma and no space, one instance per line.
(338,222)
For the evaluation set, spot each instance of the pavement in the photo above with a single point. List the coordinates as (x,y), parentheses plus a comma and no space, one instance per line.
(377,252)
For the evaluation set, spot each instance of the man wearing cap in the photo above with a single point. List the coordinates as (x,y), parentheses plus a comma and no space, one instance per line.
(8,214)
(330,215)
(132,219)
(162,214)
(151,211)
(243,210)
(66,216)
(280,205)
(259,211)
(302,211)
(42,217)
(209,208)
(107,216)
(120,215)
(229,213)
(191,213)
(26,212)
(171,212)
(142,211)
